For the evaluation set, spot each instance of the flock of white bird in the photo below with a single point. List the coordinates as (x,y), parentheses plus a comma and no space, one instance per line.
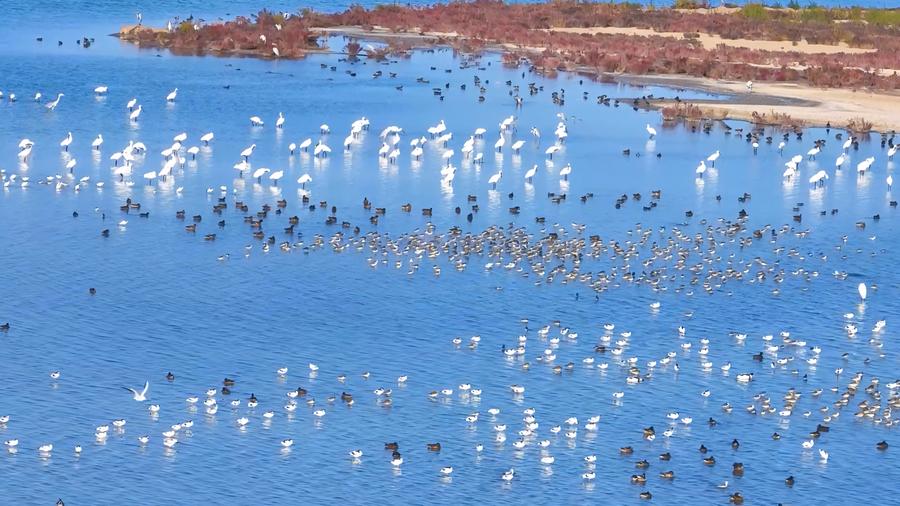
(178,153)
(780,355)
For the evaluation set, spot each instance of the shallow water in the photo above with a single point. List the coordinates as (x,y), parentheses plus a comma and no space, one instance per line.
(165,302)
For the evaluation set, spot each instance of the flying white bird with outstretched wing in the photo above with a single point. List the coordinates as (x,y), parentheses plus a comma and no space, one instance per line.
(139,396)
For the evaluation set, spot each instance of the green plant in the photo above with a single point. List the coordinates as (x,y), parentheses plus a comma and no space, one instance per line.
(755,12)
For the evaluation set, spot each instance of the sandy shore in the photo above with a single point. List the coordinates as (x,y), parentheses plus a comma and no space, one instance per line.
(711,41)
(812,106)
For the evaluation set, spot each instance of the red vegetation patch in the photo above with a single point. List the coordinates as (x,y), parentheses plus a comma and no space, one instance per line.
(522,28)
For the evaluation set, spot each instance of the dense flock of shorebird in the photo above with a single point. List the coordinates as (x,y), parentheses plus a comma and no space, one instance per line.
(705,260)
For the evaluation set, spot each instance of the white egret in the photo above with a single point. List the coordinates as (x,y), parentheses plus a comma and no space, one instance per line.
(65,143)
(494,179)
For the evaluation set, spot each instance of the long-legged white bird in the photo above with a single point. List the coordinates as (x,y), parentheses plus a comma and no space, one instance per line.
(494,179)
(52,105)
(65,143)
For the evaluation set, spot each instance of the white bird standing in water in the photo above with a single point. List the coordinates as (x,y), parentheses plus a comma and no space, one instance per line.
(97,142)
(651,131)
(279,123)
(172,95)
(494,179)
(66,142)
(247,152)
(863,291)
(52,105)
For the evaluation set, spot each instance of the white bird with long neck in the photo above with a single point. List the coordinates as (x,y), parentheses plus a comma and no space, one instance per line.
(551,151)
(172,95)
(529,175)
(651,130)
(65,143)
(52,105)
(564,173)
(279,123)
(246,153)
(135,114)
(131,103)
(713,157)
(864,165)
(790,170)
(891,152)
(304,146)
(701,169)
(494,179)
(840,160)
(847,144)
